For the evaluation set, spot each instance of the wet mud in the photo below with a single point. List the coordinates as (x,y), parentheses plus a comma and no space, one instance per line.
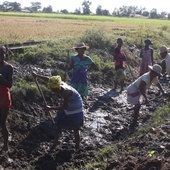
(106,122)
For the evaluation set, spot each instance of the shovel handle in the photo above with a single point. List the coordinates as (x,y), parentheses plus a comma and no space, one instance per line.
(36,81)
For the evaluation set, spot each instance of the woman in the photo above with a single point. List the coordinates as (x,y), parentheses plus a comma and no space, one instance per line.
(138,89)
(70,115)
(119,58)
(6,78)
(146,55)
(80,63)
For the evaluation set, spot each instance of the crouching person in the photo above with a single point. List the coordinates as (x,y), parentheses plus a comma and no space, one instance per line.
(139,88)
(70,113)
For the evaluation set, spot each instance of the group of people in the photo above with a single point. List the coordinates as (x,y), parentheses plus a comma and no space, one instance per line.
(149,74)
(70,113)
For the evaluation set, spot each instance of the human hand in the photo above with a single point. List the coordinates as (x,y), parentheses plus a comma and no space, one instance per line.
(47,107)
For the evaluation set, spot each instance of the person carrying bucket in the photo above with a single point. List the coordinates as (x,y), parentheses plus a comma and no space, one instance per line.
(70,113)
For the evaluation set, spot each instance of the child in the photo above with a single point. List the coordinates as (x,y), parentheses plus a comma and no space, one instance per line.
(146,55)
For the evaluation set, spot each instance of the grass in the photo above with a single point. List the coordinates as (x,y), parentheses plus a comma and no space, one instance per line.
(88,17)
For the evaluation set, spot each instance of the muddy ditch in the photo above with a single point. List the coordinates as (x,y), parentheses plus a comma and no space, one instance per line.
(106,121)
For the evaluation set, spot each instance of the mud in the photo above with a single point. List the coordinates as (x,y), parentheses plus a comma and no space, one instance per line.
(106,122)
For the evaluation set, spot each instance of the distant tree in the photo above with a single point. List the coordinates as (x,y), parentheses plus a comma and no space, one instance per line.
(140,10)
(77,11)
(163,14)
(64,11)
(145,13)
(35,6)
(127,11)
(115,12)
(99,10)
(153,13)
(86,7)
(10,6)
(105,12)
(168,15)
(48,9)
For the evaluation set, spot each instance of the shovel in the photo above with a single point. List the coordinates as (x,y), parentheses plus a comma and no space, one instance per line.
(35,79)
(132,108)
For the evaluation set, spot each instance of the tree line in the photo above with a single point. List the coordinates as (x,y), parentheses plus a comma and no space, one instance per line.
(124,11)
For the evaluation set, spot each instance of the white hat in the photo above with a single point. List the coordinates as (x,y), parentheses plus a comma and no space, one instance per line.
(163,49)
(156,68)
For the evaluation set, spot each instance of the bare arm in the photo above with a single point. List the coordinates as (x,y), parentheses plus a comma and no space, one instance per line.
(64,106)
(70,65)
(45,78)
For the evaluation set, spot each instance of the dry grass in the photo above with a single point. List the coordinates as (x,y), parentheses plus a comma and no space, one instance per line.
(22,29)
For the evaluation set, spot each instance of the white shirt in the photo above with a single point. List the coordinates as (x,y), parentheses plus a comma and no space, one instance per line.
(132,88)
(167,62)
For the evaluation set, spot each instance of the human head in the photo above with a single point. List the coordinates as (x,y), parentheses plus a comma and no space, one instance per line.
(54,82)
(163,51)
(148,42)
(120,41)
(156,69)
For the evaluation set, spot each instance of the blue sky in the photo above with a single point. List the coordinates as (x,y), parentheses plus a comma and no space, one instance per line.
(110,5)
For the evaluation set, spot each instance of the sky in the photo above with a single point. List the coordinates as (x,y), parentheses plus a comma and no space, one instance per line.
(110,5)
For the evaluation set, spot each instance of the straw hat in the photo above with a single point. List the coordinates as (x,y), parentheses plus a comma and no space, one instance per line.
(156,68)
(81,45)
(163,49)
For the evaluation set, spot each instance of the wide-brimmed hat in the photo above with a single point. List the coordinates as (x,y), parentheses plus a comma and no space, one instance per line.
(156,68)
(163,49)
(54,82)
(81,45)
(148,41)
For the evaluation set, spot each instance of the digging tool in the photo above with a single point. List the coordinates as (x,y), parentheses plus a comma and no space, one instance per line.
(68,58)
(130,71)
(126,53)
(36,81)
(132,108)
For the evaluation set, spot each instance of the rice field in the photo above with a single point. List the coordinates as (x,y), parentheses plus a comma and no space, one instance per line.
(15,28)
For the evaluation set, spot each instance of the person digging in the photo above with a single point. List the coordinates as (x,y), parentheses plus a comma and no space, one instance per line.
(70,113)
(139,87)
